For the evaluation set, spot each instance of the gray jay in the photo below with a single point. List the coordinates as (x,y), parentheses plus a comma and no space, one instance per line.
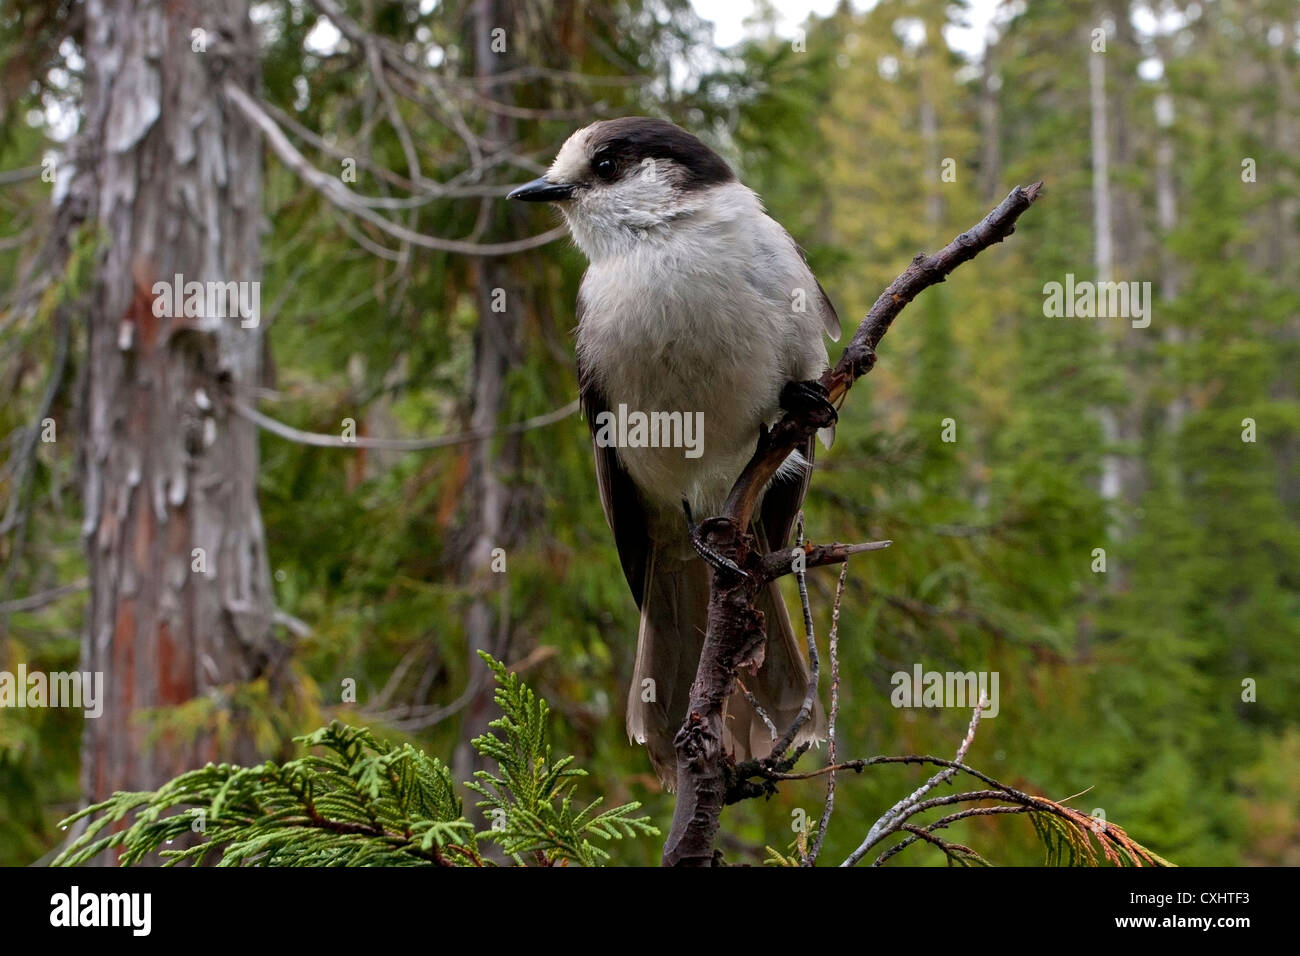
(695,302)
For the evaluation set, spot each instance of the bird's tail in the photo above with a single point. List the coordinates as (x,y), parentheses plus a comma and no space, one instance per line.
(674,614)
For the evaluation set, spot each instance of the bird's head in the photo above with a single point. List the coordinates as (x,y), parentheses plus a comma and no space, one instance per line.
(626,180)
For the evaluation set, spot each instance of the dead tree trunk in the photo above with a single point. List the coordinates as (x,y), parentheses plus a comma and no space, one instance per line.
(170,174)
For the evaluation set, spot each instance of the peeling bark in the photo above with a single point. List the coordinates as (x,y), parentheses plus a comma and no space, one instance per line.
(171,175)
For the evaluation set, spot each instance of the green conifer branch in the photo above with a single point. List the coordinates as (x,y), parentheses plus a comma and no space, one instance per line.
(358,801)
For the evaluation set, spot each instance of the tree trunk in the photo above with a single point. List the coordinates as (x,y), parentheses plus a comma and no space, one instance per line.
(990,125)
(1103,257)
(487,625)
(180,603)
(1167,219)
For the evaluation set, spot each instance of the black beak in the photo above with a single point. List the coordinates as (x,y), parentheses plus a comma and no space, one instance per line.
(541,190)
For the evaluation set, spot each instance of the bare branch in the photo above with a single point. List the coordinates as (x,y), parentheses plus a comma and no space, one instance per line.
(333,189)
(391,57)
(919,833)
(895,815)
(16,515)
(294,625)
(21,174)
(814,664)
(758,708)
(780,563)
(834,639)
(394,115)
(424,190)
(43,599)
(401,444)
(524,73)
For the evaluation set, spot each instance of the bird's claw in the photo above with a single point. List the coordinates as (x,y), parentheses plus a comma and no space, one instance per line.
(810,398)
(720,563)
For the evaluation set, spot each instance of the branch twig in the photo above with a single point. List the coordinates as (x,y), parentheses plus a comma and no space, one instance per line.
(43,599)
(814,664)
(892,818)
(337,193)
(811,859)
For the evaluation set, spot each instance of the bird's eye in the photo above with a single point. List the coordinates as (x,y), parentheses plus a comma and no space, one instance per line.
(605,167)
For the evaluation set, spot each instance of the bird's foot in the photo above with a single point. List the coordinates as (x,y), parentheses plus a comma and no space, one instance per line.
(720,563)
(809,398)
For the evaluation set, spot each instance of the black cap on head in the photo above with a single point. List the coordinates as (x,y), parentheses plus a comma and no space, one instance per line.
(631,139)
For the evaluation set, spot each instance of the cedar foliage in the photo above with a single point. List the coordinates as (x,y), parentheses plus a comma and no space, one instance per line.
(359,801)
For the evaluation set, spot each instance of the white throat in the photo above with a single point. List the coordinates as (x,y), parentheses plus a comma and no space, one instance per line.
(626,219)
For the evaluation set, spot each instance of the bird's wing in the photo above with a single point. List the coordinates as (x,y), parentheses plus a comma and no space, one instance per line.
(618,495)
(784,497)
(830,318)
(822,302)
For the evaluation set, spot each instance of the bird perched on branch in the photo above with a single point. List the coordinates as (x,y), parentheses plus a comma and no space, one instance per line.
(695,303)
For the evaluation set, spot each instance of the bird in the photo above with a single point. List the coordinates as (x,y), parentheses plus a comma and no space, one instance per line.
(694,301)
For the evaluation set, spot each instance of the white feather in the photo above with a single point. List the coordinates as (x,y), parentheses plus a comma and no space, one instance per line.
(695,301)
